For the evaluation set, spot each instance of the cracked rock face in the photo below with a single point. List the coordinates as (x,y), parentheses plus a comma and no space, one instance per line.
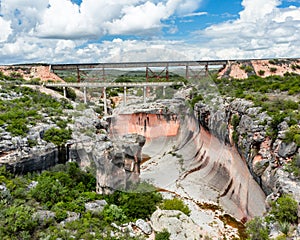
(265,157)
(188,160)
(118,164)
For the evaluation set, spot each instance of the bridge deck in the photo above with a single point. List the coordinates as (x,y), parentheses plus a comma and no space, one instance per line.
(114,84)
(136,64)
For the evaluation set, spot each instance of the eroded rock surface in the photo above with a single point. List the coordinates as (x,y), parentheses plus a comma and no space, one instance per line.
(177,223)
(191,161)
(265,157)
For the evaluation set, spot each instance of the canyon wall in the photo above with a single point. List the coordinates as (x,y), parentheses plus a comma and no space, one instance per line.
(188,160)
(265,157)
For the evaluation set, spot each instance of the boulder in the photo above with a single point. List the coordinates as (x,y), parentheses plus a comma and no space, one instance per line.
(96,206)
(287,149)
(179,225)
(43,216)
(143,226)
(72,216)
(31,185)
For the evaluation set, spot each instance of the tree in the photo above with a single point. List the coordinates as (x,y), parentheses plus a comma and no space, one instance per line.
(257,229)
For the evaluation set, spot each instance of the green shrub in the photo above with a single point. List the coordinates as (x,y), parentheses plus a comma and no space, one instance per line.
(113,213)
(285,209)
(249,69)
(293,135)
(163,235)
(235,137)
(17,221)
(138,204)
(235,120)
(175,204)
(257,229)
(196,99)
(261,72)
(57,136)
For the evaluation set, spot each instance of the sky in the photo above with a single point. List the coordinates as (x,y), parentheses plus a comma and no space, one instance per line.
(85,31)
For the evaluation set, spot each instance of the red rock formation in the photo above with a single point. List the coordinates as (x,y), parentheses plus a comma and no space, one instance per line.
(263,68)
(41,72)
(146,124)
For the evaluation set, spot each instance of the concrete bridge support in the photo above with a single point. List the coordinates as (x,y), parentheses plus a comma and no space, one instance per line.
(65,92)
(164,91)
(125,96)
(144,94)
(84,95)
(104,101)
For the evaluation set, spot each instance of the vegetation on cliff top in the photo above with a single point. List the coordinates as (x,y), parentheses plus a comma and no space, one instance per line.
(22,107)
(274,94)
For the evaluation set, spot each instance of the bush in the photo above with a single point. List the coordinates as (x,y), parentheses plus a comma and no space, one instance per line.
(164,235)
(285,209)
(235,120)
(139,204)
(113,213)
(293,135)
(196,99)
(57,136)
(175,204)
(17,221)
(257,229)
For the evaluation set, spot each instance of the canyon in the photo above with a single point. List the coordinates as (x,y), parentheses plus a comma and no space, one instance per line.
(186,159)
(194,152)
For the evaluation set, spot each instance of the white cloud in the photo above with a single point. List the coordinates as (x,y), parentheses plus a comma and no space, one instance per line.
(139,18)
(263,30)
(5,29)
(60,31)
(195,14)
(257,9)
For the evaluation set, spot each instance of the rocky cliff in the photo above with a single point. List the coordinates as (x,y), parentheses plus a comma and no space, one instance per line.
(189,160)
(242,125)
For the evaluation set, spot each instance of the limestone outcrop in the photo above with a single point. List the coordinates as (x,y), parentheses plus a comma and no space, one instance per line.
(177,224)
(189,160)
(245,127)
(116,163)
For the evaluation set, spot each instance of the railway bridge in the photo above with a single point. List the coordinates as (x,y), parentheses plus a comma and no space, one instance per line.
(163,66)
(159,70)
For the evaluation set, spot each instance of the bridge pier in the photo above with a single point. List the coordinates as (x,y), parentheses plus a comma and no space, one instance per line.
(125,96)
(187,72)
(104,101)
(144,94)
(164,91)
(65,92)
(84,95)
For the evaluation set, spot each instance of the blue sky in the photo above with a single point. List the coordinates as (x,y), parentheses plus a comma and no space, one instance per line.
(65,31)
